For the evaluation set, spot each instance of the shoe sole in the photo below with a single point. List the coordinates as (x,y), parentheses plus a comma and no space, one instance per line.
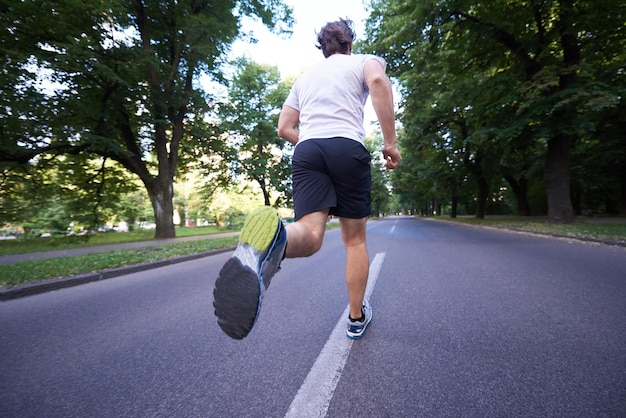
(236,299)
(237,292)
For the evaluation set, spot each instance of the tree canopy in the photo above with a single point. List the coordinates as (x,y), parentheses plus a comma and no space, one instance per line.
(118,80)
(509,90)
(506,100)
(255,97)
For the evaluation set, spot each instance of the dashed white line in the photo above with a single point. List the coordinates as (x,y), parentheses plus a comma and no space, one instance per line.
(316,392)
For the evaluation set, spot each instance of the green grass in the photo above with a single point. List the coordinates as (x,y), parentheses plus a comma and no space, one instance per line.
(594,228)
(30,245)
(30,271)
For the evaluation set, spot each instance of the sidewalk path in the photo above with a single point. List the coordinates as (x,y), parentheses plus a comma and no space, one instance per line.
(17,258)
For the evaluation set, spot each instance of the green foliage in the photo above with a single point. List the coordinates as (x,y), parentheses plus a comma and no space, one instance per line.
(506,89)
(381,180)
(28,271)
(121,81)
(255,97)
(63,192)
(227,205)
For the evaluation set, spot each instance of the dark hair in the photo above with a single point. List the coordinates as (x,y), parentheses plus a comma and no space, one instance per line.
(336,37)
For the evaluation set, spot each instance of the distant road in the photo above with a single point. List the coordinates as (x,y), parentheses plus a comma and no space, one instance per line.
(467,322)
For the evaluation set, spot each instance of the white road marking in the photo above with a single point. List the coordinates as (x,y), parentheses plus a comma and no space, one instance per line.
(316,392)
(393,228)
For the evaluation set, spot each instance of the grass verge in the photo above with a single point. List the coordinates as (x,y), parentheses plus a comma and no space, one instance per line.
(31,271)
(31,245)
(595,229)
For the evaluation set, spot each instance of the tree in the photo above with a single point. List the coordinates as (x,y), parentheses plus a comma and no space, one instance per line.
(381,181)
(534,68)
(255,97)
(124,80)
(59,191)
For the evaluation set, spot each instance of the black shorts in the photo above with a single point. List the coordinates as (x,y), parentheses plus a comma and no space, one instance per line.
(332,173)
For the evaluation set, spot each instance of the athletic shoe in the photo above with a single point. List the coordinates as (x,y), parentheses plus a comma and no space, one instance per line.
(245,277)
(356,329)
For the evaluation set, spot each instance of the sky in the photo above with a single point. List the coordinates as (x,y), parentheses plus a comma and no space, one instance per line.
(294,53)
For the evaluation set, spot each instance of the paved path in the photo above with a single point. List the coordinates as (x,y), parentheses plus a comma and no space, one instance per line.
(16,258)
(468,322)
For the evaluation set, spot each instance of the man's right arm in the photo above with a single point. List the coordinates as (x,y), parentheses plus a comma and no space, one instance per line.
(382,100)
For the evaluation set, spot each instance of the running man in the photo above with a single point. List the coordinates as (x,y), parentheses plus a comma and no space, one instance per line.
(323,118)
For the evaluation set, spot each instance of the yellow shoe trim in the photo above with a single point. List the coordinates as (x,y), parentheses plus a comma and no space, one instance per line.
(260,228)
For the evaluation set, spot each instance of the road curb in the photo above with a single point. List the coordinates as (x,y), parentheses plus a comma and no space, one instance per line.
(30,289)
(615,243)
(564,236)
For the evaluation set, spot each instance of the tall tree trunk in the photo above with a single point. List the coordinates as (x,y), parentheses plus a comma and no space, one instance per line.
(454,205)
(557,180)
(483,195)
(520,189)
(475,168)
(436,206)
(264,189)
(557,170)
(266,197)
(161,194)
(622,182)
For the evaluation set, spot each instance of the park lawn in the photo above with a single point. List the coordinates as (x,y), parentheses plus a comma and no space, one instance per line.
(594,228)
(31,245)
(36,270)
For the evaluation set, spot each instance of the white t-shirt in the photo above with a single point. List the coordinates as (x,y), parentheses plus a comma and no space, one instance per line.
(330,97)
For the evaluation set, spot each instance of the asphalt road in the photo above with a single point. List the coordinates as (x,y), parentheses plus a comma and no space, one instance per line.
(467,322)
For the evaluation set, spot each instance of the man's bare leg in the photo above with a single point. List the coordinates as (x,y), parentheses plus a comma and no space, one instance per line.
(305,236)
(357,262)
